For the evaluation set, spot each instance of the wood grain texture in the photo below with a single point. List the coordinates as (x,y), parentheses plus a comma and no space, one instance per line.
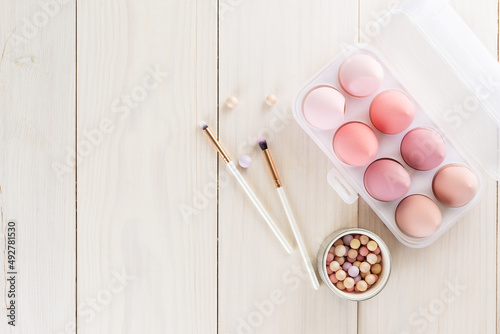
(272,47)
(147,190)
(430,290)
(37,128)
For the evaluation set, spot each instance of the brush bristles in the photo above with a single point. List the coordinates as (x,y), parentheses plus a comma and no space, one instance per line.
(203,125)
(262,143)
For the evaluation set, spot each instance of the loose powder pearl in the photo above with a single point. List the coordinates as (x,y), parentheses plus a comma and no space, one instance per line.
(372,245)
(371,258)
(362,286)
(347,239)
(353,271)
(352,253)
(346,266)
(333,279)
(357,263)
(364,267)
(341,275)
(349,282)
(355,243)
(338,242)
(340,250)
(245,161)
(376,269)
(334,266)
(340,286)
(329,257)
(364,240)
(360,258)
(364,251)
(231,102)
(370,279)
(271,100)
(340,260)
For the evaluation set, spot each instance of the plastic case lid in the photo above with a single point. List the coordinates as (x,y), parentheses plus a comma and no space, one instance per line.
(449,71)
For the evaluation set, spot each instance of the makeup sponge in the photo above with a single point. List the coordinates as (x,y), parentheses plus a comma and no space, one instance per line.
(360,75)
(355,144)
(418,216)
(386,180)
(423,148)
(324,108)
(392,112)
(454,185)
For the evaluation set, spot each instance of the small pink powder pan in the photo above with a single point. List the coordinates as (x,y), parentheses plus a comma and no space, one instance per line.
(418,216)
(392,112)
(455,185)
(386,180)
(324,108)
(355,144)
(423,148)
(361,75)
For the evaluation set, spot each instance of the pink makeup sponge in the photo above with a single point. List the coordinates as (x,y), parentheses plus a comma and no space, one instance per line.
(324,108)
(418,216)
(423,149)
(392,112)
(355,144)
(386,180)
(361,75)
(455,185)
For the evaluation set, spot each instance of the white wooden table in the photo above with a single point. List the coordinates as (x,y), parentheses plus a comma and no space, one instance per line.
(127,222)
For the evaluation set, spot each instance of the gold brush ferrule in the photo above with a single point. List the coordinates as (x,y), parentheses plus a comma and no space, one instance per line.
(272,168)
(217,145)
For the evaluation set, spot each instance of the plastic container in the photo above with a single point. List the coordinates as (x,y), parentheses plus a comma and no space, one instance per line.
(427,52)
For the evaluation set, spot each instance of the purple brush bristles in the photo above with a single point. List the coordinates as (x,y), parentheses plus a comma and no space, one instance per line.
(203,125)
(262,143)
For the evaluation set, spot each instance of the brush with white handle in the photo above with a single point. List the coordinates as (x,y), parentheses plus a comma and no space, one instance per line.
(293,223)
(237,175)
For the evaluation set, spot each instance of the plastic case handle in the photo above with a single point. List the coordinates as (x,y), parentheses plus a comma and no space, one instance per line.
(342,187)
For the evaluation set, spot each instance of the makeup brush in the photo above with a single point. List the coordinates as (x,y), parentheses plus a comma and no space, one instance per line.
(234,171)
(291,218)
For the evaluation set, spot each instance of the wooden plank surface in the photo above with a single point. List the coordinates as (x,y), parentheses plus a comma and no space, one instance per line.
(146,190)
(37,176)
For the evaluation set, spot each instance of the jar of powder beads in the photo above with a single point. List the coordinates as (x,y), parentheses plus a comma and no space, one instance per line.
(354,263)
